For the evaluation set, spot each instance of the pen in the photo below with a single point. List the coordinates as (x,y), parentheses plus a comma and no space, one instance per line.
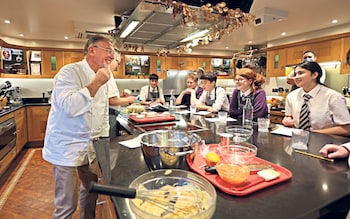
(314,155)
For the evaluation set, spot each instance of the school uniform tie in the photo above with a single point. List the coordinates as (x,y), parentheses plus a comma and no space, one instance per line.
(304,122)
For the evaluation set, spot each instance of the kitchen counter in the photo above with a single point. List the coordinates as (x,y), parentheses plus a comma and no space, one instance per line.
(316,187)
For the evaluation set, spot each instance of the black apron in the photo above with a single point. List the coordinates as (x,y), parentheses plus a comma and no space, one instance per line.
(152,95)
(208,101)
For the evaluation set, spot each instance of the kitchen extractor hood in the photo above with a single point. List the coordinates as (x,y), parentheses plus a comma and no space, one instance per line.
(155,25)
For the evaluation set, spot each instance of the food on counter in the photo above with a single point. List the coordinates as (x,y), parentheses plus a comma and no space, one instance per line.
(135,108)
(173,201)
(233,173)
(212,158)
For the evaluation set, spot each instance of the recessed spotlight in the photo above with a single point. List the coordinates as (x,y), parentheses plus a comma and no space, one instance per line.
(335,21)
(7,21)
(226,47)
(65,37)
(250,42)
(284,33)
(21,35)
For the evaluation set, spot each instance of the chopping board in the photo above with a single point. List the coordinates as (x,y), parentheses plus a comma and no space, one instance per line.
(158,117)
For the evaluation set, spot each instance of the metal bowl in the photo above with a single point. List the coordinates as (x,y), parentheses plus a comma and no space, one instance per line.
(164,149)
(200,203)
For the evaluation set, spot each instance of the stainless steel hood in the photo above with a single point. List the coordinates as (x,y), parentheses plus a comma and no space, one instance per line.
(158,27)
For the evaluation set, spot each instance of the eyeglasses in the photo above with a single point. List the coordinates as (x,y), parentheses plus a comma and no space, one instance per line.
(108,50)
(239,79)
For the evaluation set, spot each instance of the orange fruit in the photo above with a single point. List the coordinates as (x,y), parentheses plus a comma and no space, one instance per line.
(212,158)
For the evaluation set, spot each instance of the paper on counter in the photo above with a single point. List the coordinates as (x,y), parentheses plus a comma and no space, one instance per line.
(132,143)
(182,112)
(203,113)
(283,130)
(216,119)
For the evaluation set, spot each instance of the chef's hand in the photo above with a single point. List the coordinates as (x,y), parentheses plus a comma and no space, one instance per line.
(334,151)
(288,121)
(101,77)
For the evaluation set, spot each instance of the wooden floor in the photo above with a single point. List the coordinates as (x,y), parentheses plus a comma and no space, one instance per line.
(27,189)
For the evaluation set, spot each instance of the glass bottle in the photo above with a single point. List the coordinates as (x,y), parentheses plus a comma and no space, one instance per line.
(172,101)
(247,118)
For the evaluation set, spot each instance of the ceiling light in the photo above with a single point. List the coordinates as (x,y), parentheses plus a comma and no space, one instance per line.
(21,35)
(250,42)
(65,37)
(194,36)
(7,21)
(283,34)
(129,28)
(334,21)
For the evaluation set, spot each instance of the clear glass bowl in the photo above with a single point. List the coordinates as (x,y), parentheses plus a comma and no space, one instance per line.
(240,133)
(238,153)
(201,203)
(233,173)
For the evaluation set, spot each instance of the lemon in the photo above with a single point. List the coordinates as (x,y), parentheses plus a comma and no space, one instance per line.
(212,158)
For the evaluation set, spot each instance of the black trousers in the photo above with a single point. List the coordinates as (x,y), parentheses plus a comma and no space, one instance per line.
(114,127)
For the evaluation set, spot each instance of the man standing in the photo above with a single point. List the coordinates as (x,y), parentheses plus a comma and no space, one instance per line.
(308,56)
(77,119)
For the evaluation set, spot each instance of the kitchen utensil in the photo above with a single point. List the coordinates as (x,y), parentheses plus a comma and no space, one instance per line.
(242,152)
(183,195)
(240,133)
(164,149)
(165,198)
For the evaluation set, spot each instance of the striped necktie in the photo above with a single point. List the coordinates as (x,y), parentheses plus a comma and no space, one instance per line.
(304,122)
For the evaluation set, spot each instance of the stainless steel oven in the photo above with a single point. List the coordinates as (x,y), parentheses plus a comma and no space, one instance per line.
(7,136)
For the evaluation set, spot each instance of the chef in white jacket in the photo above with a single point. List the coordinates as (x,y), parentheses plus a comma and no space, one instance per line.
(77,119)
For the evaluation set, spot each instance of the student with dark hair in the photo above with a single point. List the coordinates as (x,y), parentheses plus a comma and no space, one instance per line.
(308,56)
(213,98)
(248,85)
(152,94)
(314,106)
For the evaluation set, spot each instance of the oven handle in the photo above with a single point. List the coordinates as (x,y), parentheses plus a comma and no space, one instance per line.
(10,124)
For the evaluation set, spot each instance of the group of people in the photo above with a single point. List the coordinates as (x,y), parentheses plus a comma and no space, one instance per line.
(84,93)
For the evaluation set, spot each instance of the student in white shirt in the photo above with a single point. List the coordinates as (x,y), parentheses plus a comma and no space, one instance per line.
(213,98)
(152,94)
(328,111)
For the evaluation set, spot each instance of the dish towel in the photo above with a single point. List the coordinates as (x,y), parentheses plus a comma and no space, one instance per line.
(304,122)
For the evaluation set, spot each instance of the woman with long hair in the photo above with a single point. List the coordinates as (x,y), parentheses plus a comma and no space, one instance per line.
(248,85)
(313,106)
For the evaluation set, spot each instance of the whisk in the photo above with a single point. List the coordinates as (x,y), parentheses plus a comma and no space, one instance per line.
(175,200)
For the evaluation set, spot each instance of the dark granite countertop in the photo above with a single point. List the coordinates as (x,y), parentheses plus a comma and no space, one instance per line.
(26,102)
(316,187)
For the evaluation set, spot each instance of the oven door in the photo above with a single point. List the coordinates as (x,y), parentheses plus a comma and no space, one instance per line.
(7,136)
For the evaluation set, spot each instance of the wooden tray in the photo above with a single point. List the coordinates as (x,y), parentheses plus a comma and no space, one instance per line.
(159,117)
(252,184)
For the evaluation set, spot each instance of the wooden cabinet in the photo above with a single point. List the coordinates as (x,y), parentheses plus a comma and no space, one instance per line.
(70,57)
(276,63)
(204,63)
(10,156)
(21,128)
(345,56)
(327,51)
(276,116)
(158,66)
(51,62)
(36,121)
(181,63)
(295,54)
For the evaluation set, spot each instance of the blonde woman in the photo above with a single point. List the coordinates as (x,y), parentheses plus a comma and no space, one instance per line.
(191,94)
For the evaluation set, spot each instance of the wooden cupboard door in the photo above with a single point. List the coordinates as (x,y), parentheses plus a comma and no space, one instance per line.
(345,56)
(327,51)
(37,119)
(172,63)
(204,63)
(295,54)
(188,63)
(158,66)
(51,62)
(21,128)
(276,63)
(71,57)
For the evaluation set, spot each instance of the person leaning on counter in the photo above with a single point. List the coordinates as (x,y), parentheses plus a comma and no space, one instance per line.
(248,85)
(152,93)
(192,93)
(213,98)
(78,118)
(328,113)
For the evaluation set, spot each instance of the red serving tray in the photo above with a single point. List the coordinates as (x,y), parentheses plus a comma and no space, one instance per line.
(252,184)
(164,118)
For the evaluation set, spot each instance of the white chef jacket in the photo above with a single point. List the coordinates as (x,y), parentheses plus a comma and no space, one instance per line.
(75,118)
(113,90)
(221,101)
